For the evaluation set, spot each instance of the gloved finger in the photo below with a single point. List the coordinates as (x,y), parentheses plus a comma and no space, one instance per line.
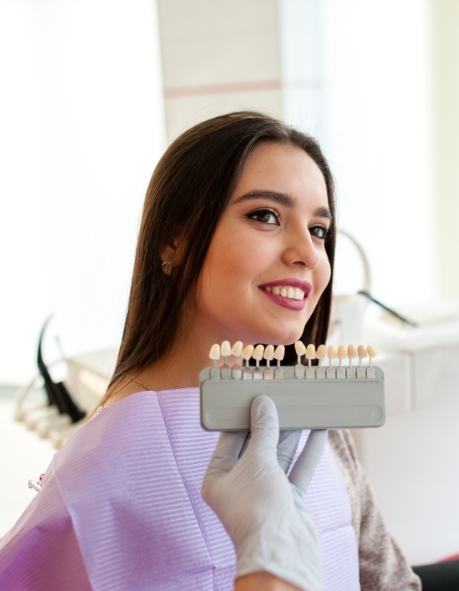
(306,464)
(226,453)
(264,425)
(286,448)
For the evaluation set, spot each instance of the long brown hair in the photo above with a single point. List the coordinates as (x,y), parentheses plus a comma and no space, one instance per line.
(187,194)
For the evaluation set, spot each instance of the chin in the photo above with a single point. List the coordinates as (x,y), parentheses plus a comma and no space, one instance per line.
(278,335)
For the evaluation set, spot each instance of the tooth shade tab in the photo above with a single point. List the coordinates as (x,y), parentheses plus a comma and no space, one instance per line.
(311,352)
(237,349)
(342,353)
(215,352)
(351,352)
(372,353)
(247,352)
(321,352)
(279,353)
(331,352)
(225,349)
(300,348)
(258,352)
(362,352)
(269,353)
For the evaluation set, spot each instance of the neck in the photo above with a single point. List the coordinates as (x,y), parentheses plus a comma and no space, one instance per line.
(180,368)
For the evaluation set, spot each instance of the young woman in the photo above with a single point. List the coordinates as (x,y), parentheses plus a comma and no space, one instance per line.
(236,243)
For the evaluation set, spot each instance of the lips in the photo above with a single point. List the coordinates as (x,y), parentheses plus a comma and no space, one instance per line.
(289,293)
(296,284)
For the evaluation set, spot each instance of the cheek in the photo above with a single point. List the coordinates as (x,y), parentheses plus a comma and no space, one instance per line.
(235,259)
(322,275)
(224,268)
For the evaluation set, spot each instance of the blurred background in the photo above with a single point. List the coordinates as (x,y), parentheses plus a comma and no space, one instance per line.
(94,91)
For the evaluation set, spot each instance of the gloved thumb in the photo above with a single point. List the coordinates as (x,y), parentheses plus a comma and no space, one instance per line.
(264,425)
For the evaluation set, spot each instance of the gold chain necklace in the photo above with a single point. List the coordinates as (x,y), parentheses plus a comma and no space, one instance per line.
(139,382)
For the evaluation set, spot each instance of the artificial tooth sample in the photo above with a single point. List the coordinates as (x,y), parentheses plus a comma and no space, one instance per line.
(320,355)
(352,354)
(215,356)
(310,355)
(361,371)
(236,351)
(372,353)
(247,354)
(279,354)
(225,369)
(268,374)
(331,354)
(258,356)
(340,370)
(299,367)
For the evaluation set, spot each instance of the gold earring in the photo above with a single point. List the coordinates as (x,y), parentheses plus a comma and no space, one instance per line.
(166,266)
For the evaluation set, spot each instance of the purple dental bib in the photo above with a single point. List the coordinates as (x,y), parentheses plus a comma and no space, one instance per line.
(121,509)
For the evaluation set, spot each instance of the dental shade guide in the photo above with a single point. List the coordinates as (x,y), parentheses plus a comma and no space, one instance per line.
(257,373)
(320,355)
(361,370)
(331,371)
(225,351)
(351,354)
(310,355)
(299,367)
(340,370)
(246,355)
(236,351)
(311,397)
(371,371)
(215,356)
(268,374)
(279,355)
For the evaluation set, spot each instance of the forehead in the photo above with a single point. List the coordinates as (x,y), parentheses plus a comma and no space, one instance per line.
(283,168)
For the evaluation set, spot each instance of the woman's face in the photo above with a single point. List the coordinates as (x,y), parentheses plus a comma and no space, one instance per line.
(266,267)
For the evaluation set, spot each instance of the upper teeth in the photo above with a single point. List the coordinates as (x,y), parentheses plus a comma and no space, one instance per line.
(294,293)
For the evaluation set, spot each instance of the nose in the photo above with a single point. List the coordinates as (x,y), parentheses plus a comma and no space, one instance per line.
(300,250)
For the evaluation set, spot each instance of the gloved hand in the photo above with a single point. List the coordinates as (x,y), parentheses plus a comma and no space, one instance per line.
(261,509)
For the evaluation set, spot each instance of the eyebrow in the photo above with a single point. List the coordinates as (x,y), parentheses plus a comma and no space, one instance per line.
(282,199)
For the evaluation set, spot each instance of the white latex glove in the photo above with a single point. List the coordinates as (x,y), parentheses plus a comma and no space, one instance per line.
(261,509)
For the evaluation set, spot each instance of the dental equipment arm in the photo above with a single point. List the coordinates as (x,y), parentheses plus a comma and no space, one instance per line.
(261,508)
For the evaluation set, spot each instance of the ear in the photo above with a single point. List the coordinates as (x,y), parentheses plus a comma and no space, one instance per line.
(173,252)
(168,253)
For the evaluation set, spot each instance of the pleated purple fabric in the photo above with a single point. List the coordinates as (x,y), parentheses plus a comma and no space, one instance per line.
(121,509)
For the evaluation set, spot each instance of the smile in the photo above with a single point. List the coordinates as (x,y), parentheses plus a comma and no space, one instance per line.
(288,293)
(292,293)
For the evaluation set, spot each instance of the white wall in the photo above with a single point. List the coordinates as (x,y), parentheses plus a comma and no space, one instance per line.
(370,108)
(81,116)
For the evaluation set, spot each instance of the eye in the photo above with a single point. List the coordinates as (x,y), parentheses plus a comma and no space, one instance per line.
(265,216)
(319,232)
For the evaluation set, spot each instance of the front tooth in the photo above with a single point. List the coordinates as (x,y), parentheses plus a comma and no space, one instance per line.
(283,292)
(299,293)
(291,292)
(276,291)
